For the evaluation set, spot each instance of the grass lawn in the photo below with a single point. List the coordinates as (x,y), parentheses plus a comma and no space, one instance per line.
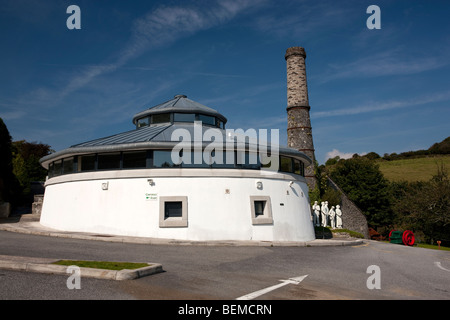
(419,169)
(102,264)
(432,246)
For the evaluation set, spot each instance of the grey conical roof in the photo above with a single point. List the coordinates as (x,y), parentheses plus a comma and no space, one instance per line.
(180,103)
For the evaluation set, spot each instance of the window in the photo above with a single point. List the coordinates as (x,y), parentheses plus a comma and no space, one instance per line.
(261,210)
(297,166)
(207,120)
(50,170)
(136,159)
(68,165)
(109,161)
(143,122)
(88,162)
(161,118)
(228,159)
(163,159)
(286,164)
(57,168)
(259,207)
(173,209)
(173,212)
(183,117)
(247,160)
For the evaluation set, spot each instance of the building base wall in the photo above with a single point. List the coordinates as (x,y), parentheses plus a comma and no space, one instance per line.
(218,204)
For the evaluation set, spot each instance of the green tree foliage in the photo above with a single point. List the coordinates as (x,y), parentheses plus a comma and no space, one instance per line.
(425,206)
(26,166)
(363,182)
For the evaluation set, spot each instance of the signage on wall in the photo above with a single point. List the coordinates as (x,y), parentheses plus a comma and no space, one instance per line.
(151,196)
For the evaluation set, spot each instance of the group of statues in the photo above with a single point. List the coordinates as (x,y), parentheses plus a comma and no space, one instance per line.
(325,217)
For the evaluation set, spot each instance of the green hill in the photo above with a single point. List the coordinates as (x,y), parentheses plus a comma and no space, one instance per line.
(415,169)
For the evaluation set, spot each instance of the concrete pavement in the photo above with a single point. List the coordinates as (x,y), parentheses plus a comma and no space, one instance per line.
(29,224)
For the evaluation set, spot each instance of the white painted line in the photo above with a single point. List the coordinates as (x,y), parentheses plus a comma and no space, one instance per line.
(258,293)
(438,264)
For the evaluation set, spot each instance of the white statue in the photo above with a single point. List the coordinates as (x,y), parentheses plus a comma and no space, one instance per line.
(332,216)
(338,217)
(324,210)
(316,213)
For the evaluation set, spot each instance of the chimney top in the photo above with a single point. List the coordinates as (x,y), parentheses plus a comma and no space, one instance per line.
(298,51)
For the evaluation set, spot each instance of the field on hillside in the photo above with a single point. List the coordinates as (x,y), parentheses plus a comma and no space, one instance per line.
(419,169)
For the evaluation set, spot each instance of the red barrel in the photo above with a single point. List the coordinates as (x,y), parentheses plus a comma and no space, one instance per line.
(408,238)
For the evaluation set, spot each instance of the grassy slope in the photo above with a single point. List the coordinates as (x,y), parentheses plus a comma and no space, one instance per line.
(419,169)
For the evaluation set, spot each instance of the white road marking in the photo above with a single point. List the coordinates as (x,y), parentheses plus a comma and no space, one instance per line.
(258,293)
(438,264)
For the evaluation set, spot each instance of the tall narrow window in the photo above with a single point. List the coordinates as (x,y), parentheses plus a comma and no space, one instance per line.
(68,165)
(50,170)
(57,168)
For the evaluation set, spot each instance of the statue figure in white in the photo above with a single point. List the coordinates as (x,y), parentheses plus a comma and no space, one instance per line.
(324,210)
(332,217)
(316,213)
(338,217)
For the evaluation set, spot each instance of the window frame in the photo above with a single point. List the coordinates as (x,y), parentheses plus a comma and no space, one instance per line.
(173,222)
(266,217)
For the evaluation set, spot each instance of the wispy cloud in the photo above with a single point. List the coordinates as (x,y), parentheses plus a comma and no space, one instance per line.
(158,28)
(389,63)
(381,106)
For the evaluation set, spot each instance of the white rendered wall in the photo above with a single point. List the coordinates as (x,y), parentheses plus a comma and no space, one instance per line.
(219,206)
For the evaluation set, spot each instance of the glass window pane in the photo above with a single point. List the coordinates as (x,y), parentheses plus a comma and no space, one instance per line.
(286,164)
(163,159)
(227,162)
(161,118)
(57,168)
(173,209)
(88,162)
(207,119)
(297,168)
(109,161)
(184,117)
(251,161)
(136,159)
(143,122)
(197,161)
(68,165)
(50,170)
(259,208)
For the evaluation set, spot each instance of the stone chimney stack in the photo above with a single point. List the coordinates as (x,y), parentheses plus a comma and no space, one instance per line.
(299,123)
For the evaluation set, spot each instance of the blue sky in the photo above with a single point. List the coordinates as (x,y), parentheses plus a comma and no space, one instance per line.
(383,90)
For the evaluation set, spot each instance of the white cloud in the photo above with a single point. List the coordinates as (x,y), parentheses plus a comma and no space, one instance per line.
(342,155)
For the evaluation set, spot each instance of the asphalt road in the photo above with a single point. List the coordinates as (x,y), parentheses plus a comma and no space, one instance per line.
(229,272)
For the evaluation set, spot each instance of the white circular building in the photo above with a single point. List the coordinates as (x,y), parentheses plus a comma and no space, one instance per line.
(167,179)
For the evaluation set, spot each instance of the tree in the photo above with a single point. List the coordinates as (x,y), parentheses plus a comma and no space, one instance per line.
(26,166)
(425,206)
(363,182)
